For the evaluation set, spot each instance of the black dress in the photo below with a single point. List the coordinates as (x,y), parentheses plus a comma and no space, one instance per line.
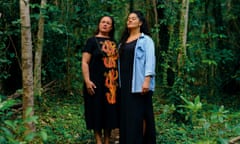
(101,108)
(134,107)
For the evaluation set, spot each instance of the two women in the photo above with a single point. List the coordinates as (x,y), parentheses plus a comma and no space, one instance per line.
(136,80)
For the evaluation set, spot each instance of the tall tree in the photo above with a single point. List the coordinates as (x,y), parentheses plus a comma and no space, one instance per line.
(27,65)
(156,34)
(38,51)
(183,33)
(131,5)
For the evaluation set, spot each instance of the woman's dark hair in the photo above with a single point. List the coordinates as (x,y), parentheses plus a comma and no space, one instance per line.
(111,33)
(143,27)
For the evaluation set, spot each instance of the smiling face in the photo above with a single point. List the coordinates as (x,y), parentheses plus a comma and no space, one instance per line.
(133,22)
(105,25)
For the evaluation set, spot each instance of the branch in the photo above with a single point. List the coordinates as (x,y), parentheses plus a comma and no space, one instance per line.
(234,140)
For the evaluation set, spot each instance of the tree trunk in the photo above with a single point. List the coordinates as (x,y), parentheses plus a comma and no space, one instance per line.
(131,5)
(27,65)
(183,34)
(38,52)
(156,24)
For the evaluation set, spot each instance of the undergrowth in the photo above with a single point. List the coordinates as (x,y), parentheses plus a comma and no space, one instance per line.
(61,121)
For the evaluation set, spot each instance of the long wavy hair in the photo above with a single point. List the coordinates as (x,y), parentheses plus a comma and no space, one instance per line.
(111,33)
(143,28)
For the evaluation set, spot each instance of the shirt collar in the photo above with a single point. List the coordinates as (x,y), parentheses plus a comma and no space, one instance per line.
(142,35)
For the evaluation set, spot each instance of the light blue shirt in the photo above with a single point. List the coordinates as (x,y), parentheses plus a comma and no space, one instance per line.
(144,63)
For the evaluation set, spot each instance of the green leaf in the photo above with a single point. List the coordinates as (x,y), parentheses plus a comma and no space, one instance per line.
(44,135)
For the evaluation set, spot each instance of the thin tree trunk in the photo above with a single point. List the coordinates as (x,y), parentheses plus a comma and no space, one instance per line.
(152,19)
(38,52)
(27,65)
(131,5)
(167,60)
(183,33)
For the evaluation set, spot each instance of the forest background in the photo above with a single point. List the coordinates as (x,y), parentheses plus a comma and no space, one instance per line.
(197,43)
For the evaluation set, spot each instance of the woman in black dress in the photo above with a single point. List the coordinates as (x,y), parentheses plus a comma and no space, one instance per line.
(137,74)
(100,73)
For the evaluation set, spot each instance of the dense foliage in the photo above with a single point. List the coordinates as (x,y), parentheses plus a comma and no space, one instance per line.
(195,102)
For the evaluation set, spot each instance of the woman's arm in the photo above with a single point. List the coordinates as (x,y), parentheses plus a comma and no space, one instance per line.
(86,57)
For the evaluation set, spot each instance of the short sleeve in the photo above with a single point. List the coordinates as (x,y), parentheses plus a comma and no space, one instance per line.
(89,46)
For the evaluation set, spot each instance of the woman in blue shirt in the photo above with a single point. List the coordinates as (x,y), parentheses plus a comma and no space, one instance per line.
(137,82)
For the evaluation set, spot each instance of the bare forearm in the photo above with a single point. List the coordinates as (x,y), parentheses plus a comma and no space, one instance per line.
(85,72)
(147,79)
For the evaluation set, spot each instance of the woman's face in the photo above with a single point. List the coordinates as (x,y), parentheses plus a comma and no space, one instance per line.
(105,25)
(133,21)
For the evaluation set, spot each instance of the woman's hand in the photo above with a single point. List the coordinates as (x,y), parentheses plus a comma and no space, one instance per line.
(90,87)
(146,85)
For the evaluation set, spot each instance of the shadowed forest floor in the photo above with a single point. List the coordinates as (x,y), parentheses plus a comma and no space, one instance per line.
(63,121)
(62,118)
